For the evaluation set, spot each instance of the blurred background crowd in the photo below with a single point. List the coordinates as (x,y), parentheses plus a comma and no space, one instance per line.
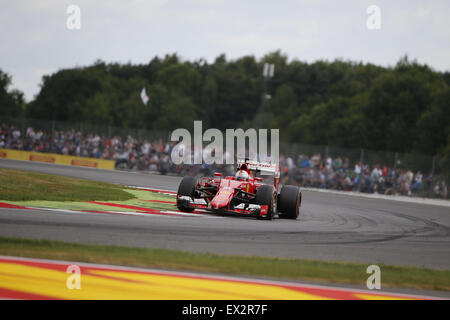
(316,170)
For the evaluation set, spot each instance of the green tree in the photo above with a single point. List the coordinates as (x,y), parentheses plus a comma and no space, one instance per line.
(340,103)
(12,103)
(397,99)
(433,125)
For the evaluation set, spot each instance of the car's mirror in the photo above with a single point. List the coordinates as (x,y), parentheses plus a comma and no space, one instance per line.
(258,179)
(217,174)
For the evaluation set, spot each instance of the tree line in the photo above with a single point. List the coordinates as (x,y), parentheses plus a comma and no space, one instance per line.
(403,108)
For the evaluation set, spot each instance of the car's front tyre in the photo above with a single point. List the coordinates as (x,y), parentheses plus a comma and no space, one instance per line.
(267,195)
(186,189)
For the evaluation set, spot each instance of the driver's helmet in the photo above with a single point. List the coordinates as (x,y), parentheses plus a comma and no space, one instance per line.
(242,175)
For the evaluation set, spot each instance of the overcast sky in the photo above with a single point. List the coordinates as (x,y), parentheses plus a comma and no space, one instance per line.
(35,39)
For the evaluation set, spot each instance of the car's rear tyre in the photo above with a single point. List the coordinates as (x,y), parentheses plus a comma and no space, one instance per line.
(289,202)
(267,195)
(186,189)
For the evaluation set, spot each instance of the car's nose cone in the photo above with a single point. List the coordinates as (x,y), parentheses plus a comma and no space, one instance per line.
(222,199)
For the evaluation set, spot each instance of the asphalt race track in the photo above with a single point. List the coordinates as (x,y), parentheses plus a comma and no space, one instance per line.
(331,226)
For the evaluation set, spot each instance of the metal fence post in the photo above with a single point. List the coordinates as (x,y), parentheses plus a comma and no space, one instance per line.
(361,159)
(433,167)
(325,166)
(23,129)
(394,191)
(52,145)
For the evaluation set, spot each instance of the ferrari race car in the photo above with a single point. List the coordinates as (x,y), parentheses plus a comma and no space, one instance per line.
(243,194)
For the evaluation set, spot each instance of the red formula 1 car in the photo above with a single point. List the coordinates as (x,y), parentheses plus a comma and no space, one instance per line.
(243,194)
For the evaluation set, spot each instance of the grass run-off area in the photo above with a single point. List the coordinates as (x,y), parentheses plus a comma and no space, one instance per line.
(18,185)
(278,268)
(53,191)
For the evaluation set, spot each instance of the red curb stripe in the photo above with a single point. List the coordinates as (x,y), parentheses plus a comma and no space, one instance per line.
(109,212)
(326,292)
(158,190)
(11,206)
(13,294)
(138,209)
(122,213)
(159,201)
(336,294)
(143,210)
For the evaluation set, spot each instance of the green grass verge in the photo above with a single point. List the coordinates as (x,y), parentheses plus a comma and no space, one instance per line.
(139,199)
(18,185)
(287,269)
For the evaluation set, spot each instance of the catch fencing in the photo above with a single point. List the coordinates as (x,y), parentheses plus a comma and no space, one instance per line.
(348,169)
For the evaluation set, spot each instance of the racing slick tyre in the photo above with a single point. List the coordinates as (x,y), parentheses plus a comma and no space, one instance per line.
(186,189)
(267,195)
(289,201)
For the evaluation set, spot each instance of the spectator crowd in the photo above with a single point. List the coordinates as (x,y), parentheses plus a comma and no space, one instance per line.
(339,174)
(315,171)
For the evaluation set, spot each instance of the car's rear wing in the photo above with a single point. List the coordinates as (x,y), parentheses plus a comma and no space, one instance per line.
(263,167)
